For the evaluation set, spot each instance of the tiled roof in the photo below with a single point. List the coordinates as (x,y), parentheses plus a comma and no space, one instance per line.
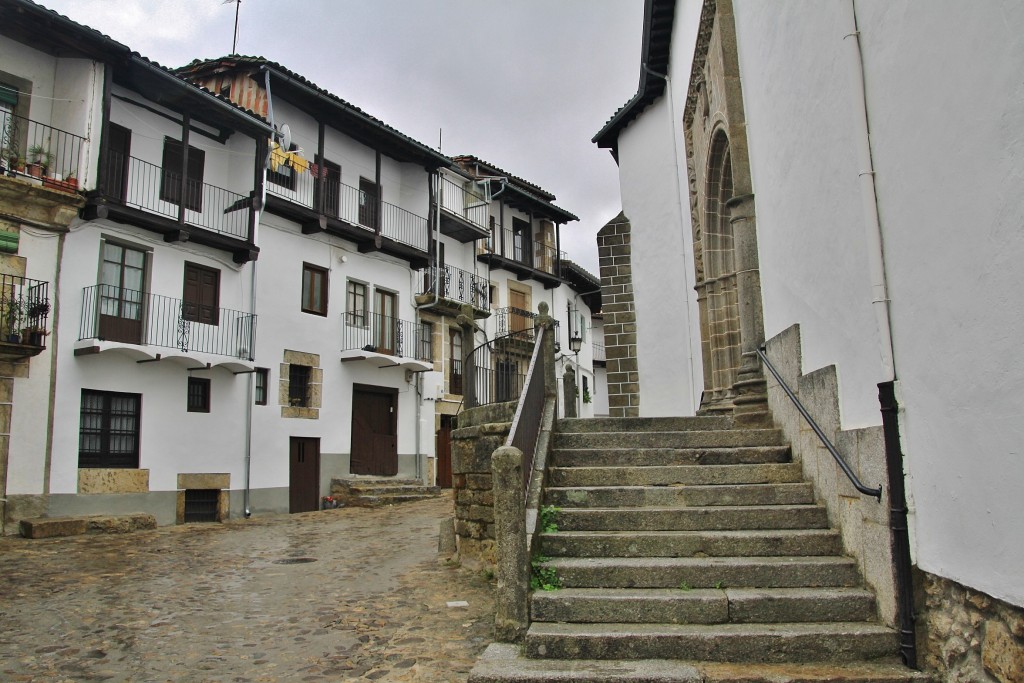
(494,170)
(235,60)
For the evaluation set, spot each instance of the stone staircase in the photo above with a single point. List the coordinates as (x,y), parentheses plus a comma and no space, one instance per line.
(689,550)
(377,492)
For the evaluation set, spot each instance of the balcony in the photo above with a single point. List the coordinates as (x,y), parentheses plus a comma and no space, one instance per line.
(325,204)
(144,194)
(600,357)
(385,342)
(39,153)
(24,313)
(464,213)
(137,323)
(454,287)
(515,252)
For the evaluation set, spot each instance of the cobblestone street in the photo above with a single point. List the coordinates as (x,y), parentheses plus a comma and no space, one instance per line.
(339,595)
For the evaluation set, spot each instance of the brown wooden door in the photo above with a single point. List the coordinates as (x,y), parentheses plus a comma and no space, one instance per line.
(115,180)
(332,188)
(444,452)
(368,203)
(516,319)
(385,334)
(374,431)
(201,294)
(121,299)
(303,474)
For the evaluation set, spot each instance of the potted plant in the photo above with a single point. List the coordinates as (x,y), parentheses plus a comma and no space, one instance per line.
(68,184)
(36,156)
(35,315)
(12,318)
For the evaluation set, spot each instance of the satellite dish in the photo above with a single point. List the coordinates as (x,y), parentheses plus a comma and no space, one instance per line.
(286,137)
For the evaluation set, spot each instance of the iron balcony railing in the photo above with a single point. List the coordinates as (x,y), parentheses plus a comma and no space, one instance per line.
(456,284)
(24,310)
(385,334)
(112,313)
(349,204)
(514,321)
(517,247)
(142,185)
(498,372)
(32,149)
(462,202)
(599,353)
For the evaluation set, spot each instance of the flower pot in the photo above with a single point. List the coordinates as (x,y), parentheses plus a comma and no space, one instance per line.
(34,170)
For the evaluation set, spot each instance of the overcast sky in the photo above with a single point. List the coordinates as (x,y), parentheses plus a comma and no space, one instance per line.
(523,84)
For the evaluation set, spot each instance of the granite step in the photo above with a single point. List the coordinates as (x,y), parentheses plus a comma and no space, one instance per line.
(640,457)
(713,518)
(687,475)
(704,572)
(639,424)
(504,663)
(748,543)
(797,493)
(703,606)
(762,643)
(377,492)
(687,439)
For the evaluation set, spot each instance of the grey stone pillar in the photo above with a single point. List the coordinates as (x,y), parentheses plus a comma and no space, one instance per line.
(569,390)
(751,401)
(511,618)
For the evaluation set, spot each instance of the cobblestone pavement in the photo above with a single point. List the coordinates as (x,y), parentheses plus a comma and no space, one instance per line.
(242,601)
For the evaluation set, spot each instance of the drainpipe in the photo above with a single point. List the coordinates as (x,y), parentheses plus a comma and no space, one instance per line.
(249,402)
(694,399)
(889,407)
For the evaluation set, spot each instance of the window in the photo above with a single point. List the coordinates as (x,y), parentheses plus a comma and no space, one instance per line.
(260,390)
(426,341)
(455,354)
(198,395)
(356,305)
(170,178)
(385,332)
(109,429)
(298,385)
(122,301)
(314,289)
(201,297)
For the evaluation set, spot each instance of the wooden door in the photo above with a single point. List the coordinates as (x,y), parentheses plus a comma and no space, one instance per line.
(303,474)
(368,203)
(444,452)
(332,189)
(385,334)
(200,301)
(115,180)
(374,431)
(121,299)
(516,318)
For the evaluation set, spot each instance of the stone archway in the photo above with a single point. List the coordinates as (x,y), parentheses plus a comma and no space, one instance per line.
(724,228)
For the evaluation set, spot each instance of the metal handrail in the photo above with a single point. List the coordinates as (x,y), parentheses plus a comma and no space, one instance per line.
(854,479)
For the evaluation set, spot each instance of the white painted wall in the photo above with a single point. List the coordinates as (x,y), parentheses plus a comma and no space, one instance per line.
(172,440)
(945,104)
(653,185)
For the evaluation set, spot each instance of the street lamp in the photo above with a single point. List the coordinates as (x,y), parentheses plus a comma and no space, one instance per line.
(575,344)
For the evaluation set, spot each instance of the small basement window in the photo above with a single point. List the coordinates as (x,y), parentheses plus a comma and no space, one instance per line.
(201,505)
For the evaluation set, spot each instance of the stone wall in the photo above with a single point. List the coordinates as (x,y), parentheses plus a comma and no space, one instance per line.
(480,431)
(966,636)
(863,521)
(614,254)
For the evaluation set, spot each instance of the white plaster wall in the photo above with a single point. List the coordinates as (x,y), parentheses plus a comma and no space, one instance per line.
(946,106)
(172,440)
(40,68)
(600,389)
(282,325)
(801,134)
(26,466)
